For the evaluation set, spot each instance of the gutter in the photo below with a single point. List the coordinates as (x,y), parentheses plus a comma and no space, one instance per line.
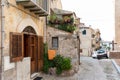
(2,39)
(116,66)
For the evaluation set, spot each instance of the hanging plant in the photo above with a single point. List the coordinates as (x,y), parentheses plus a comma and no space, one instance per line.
(53,18)
(66,18)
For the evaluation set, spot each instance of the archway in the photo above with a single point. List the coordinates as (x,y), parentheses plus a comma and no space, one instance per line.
(29,29)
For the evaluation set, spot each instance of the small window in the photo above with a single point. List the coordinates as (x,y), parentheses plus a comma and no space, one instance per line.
(84,32)
(55,42)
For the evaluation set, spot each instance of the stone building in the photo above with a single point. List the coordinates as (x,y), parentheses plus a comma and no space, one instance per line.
(60,36)
(52,4)
(65,44)
(86,41)
(22,30)
(89,39)
(96,39)
(115,52)
(117,25)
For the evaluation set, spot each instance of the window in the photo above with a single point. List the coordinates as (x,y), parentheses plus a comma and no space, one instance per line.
(16,47)
(55,42)
(84,32)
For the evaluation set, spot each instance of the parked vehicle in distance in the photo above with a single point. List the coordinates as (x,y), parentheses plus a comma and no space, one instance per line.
(99,54)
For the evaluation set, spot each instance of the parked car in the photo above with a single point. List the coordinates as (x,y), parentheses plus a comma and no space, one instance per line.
(100,54)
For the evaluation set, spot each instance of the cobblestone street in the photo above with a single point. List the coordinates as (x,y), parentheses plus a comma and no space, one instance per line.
(91,69)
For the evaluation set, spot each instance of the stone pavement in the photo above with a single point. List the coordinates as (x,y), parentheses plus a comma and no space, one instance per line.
(116,63)
(90,69)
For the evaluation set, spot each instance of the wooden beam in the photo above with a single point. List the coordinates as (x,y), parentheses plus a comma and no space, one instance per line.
(43,15)
(39,12)
(32,10)
(33,6)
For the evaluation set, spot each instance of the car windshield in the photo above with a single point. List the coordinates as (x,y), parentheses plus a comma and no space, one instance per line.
(100,51)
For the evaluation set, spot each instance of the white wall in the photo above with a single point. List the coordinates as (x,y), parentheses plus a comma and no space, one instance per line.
(86,42)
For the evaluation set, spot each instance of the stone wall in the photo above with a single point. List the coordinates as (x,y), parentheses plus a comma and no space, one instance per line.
(114,55)
(20,72)
(68,46)
(52,32)
(23,72)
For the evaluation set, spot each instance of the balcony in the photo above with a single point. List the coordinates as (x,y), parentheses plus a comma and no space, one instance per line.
(38,7)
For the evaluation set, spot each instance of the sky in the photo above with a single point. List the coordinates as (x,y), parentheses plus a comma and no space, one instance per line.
(97,13)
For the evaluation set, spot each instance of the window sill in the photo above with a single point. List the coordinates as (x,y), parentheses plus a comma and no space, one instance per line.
(54,48)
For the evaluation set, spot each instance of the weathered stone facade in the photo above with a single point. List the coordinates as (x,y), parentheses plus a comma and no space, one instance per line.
(90,41)
(86,41)
(114,55)
(16,19)
(96,39)
(68,46)
(117,24)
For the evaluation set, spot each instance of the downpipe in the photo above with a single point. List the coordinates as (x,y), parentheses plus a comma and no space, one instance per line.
(2,39)
(78,38)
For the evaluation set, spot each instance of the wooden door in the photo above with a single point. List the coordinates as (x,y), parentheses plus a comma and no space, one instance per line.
(33,53)
(34,49)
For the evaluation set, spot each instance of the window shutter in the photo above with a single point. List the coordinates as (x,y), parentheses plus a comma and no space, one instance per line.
(40,52)
(16,47)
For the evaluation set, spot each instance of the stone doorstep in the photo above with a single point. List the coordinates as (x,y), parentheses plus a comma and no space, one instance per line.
(116,65)
(34,75)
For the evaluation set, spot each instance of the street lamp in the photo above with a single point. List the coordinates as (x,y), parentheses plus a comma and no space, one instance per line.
(113,45)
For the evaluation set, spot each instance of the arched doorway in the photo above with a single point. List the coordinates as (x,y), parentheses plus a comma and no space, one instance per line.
(33,46)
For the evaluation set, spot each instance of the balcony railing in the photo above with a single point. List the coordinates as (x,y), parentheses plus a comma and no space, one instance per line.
(38,7)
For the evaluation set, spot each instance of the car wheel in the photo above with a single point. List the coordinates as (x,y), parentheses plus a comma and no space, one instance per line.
(94,57)
(106,56)
(98,57)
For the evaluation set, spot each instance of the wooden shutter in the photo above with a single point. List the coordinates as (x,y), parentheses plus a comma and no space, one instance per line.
(16,47)
(40,52)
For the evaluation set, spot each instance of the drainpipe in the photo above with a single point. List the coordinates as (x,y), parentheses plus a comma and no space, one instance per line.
(47,8)
(78,38)
(2,38)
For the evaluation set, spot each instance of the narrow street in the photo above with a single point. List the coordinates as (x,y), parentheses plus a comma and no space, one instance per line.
(91,69)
